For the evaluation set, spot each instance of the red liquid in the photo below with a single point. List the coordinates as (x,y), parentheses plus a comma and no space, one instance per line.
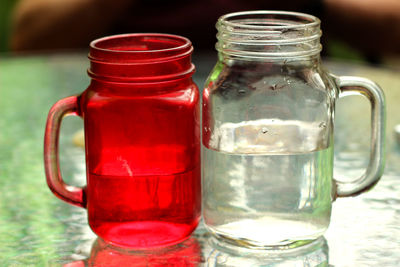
(143,161)
(144,211)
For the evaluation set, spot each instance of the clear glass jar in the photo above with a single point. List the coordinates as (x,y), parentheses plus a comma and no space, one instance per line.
(268,109)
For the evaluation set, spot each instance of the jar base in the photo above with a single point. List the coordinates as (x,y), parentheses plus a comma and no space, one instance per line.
(220,238)
(227,254)
(144,234)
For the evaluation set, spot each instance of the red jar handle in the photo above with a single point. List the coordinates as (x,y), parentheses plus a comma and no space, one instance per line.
(71,194)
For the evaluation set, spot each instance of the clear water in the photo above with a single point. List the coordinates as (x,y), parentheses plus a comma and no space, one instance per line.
(262,198)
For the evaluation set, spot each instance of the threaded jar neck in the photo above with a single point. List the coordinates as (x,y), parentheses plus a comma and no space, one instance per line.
(143,57)
(268,34)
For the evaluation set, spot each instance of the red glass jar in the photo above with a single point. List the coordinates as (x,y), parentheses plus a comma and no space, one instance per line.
(142,141)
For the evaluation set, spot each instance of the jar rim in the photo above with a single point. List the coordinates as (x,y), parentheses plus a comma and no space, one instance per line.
(185,43)
(305,20)
(267,34)
(138,57)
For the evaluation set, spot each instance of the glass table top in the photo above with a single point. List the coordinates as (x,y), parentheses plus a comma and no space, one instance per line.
(37,229)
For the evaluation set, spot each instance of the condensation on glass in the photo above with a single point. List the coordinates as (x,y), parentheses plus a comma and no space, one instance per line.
(268,112)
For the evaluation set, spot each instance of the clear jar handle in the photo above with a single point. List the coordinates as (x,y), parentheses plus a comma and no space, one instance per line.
(71,194)
(349,85)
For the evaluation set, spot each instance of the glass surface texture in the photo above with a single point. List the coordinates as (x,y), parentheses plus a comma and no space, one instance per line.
(268,109)
(141,122)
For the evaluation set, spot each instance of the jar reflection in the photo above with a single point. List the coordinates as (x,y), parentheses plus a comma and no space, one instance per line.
(202,249)
(187,253)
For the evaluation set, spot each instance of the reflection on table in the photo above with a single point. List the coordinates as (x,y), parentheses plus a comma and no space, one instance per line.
(200,249)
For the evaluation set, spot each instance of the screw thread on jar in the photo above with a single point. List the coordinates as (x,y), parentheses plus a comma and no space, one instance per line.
(268,34)
(141,58)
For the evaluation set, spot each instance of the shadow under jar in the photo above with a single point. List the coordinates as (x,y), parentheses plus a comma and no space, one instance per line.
(142,141)
(268,109)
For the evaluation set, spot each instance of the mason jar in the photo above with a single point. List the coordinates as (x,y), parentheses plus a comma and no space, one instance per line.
(268,122)
(141,114)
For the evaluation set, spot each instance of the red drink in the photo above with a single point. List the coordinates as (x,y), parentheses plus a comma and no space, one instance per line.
(142,138)
(143,181)
(152,210)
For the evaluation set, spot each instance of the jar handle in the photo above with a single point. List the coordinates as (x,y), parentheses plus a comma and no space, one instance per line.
(349,85)
(71,194)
